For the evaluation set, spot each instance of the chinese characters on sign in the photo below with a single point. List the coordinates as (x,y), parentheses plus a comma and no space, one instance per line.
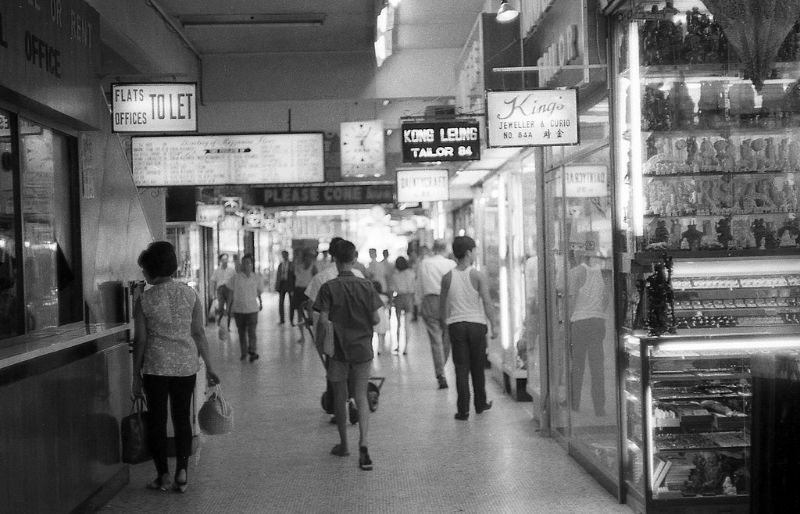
(532,118)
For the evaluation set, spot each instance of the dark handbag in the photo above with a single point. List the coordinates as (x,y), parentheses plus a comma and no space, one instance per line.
(134,433)
(216,415)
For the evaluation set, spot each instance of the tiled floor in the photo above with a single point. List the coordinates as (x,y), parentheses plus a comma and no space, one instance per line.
(277,458)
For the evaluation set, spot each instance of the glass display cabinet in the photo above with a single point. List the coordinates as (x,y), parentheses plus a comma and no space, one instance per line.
(706,151)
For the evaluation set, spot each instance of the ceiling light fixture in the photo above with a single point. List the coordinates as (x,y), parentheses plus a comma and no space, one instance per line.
(275,19)
(506,13)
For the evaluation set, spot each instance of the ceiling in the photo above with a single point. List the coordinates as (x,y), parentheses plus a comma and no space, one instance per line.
(215,26)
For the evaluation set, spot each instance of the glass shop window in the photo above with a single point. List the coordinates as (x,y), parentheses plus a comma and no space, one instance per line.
(40,282)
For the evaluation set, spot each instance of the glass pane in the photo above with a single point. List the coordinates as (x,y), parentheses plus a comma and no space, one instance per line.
(9,271)
(53,292)
(591,315)
(37,170)
(529,346)
(556,304)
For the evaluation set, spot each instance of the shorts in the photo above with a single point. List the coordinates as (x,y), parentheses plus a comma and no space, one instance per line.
(339,371)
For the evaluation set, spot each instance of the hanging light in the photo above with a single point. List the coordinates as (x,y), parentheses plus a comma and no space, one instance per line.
(506,13)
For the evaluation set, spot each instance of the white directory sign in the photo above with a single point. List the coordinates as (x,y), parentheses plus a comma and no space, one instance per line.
(422,185)
(288,158)
(585,182)
(542,117)
(170,107)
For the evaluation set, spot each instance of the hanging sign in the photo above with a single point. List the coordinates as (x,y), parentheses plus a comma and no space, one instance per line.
(210,213)
(289,158)
(170,107)
(446,141)
(328,194)
(585,182)
(423,185)
(541,117)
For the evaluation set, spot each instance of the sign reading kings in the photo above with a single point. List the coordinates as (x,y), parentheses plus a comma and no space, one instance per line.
(444,141)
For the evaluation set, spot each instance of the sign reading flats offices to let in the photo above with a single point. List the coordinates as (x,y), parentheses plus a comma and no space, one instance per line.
(541,117)
(169,107)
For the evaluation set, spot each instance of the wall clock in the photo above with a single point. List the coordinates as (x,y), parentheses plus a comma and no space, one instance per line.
(362,148)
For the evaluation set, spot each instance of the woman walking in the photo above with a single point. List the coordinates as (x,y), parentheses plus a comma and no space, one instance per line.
(303,273)
(403,282)
(246,288)
(169,335)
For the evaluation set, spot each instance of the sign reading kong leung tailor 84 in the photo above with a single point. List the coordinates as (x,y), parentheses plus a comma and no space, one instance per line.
(444,141)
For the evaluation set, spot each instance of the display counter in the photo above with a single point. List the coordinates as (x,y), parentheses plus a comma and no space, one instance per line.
(63,392)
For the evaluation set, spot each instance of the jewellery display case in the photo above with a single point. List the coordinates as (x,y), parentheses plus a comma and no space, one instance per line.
(706,150)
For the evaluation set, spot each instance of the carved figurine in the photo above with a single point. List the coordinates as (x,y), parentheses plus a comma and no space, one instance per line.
(707,155)
(788,233)
(660,299)
(724,236)
(692,236)
(661,233)
(725,161)
(770,154)
(759,230)
(759,156)
(742,237)
(746,157)
(682,106)
(691,152)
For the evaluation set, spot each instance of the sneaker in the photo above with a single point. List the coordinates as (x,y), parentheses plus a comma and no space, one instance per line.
(461,416)
(364,462)
(253,356)
(486,406)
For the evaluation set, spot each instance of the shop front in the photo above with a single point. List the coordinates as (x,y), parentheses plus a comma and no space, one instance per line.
(706,252)
(70,220)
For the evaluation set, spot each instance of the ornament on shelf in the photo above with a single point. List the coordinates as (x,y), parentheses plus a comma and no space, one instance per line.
(660,299)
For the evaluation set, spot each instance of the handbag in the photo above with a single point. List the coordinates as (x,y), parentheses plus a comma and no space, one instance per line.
(134,433)
(216,415)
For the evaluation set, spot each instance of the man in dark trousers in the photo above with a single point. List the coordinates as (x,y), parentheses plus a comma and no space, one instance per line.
(464,307)
(284,285)
(350,304)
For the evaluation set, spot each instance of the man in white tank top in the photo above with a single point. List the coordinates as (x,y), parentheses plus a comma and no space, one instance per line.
(464,306)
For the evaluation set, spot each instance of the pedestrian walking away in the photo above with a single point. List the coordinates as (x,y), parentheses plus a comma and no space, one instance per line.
(169,339)
(351,305)
(284,285)
(464,307)
(430,271)
(219,285)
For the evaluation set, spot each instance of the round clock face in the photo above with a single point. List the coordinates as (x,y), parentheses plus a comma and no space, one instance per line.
(362,148)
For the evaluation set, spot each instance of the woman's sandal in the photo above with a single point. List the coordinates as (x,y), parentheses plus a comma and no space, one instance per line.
(160,483)
(339,451)
(364,462)
(180,486)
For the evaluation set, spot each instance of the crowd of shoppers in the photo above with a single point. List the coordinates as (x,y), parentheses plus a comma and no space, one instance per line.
(344,304)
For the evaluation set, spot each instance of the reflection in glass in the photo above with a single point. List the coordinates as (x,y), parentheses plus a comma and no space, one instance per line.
(9,272)
(50,267)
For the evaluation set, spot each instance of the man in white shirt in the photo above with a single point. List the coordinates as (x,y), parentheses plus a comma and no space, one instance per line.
(376,271)
(429,284)
(219,284)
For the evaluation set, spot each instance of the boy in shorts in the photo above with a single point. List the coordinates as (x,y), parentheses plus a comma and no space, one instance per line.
(351,304)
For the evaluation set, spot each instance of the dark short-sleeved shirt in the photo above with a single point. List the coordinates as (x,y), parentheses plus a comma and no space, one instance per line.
(350,302)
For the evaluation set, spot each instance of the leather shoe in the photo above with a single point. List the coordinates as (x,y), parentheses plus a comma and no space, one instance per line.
(461,416)
(442,383)
(486,406)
